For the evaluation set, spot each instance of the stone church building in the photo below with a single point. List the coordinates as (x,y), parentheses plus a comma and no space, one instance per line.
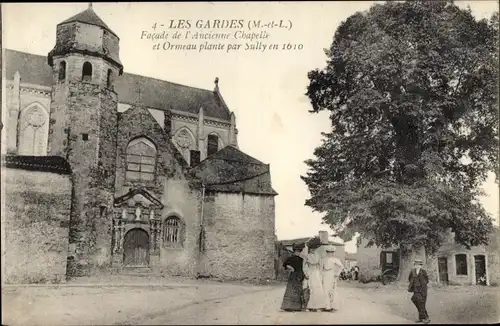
(106,171)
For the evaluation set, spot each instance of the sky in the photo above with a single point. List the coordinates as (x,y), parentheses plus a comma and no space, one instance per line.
(266,90)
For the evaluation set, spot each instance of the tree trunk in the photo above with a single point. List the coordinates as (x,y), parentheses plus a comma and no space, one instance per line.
(406,261)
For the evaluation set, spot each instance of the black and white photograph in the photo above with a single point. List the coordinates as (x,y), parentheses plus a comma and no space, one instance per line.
(250,163)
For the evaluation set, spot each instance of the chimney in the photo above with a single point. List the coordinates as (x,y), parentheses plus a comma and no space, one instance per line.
(323,237)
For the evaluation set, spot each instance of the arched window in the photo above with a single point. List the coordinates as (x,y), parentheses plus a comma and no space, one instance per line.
(141,160)
(62,71)
(87,71)
(172,231)
(461,262)
(212,144)
(33,131)
(110,78)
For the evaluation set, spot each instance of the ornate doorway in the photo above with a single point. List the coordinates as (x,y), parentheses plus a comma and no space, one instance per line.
(136,248)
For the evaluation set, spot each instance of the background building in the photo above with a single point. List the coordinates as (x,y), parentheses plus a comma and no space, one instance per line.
(107,170)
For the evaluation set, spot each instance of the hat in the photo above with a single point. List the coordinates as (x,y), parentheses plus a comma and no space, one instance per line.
(298,246)
(330,248)
(419,262)
(314,243)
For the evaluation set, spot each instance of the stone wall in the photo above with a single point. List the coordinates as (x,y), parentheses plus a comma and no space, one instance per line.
(35,226)
(368,262)
(493,250)
(88,141)
(185,203)
(239,238)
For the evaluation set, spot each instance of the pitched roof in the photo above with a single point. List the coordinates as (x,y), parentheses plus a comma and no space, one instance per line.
(131,89)
(231,170)
(233,154)
(88,16)
(33,68)
(55,164)
(301,240)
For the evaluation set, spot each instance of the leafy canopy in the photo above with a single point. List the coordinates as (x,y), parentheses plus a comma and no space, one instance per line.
(412,91)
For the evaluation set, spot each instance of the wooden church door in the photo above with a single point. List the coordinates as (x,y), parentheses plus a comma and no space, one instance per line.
(136,248)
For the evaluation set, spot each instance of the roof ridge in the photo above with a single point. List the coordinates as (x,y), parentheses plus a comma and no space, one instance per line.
(167,81)
(29,53)
(125,72)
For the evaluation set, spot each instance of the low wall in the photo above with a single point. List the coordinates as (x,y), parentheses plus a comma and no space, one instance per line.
(35,221)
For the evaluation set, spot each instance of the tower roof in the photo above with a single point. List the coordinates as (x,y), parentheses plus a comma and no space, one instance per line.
(88,16)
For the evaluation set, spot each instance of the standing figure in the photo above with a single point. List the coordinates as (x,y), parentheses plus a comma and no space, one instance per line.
(418,285)
(331,267)
(293,299)
(312,272)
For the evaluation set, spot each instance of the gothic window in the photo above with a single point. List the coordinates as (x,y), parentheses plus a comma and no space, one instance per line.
(461,262)
(87,71)
(33,131)
(172,230)
(62,71)
(110,78)
(212,144)
(141,160)
(184,141)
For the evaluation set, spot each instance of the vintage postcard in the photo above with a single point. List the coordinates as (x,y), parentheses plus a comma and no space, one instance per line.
(205,163)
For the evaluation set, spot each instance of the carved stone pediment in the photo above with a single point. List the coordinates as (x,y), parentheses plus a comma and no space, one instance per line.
(138,197)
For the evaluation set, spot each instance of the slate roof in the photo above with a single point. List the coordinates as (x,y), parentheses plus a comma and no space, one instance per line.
(231,170)
(88,17)
(131,89)
(55,164)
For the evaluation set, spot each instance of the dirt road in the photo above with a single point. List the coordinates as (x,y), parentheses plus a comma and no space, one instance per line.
(201,303)
(262,307)
(143,301)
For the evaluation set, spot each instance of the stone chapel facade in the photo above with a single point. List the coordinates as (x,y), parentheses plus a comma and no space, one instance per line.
(156,178)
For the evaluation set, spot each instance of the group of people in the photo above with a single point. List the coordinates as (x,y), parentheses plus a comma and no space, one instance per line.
(351,274)
(313,279)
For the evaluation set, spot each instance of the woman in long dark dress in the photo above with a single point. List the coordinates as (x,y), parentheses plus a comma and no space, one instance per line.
(293,298)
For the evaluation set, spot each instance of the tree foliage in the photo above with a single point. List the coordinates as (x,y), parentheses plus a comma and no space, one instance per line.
(412,91)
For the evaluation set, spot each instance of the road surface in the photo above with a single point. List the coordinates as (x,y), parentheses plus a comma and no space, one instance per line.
(201,303)
(262,307)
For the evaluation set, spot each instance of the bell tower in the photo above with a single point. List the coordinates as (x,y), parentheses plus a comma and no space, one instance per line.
(83,129)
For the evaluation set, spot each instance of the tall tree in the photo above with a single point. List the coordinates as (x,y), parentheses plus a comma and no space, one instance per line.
(412,91)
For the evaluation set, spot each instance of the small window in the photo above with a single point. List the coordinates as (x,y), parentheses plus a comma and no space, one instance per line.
(110,78)
(213,144)
(389,257)
(461,262)
(172,230)
(87,72)
(62,71)
(85,137)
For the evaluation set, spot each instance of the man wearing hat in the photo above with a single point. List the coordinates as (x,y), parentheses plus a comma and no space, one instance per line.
(331,268)
(418,285)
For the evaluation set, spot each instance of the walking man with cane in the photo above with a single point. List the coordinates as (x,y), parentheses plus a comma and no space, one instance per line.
(418,285)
